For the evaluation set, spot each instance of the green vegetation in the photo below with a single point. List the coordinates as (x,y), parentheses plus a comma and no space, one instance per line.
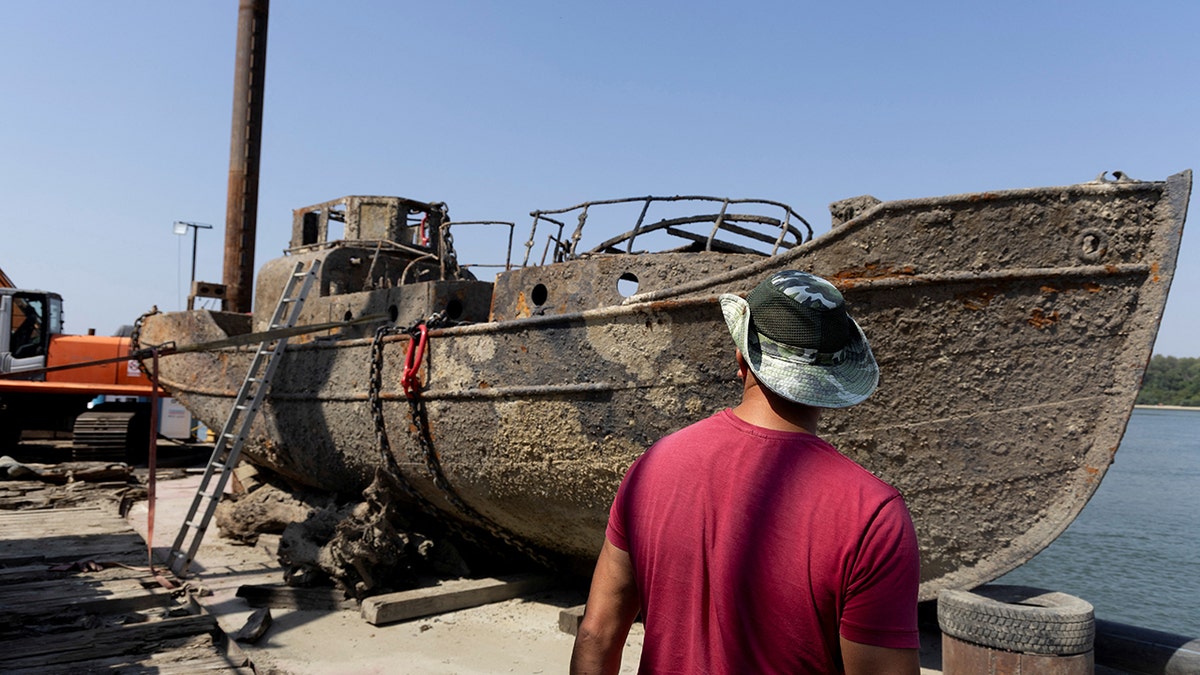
(1171,381)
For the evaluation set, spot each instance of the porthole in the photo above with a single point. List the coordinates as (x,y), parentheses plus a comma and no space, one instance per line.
(539,295)
(627,284)
(1091,245)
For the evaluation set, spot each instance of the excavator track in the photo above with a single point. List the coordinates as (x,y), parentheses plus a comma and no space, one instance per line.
(104,434)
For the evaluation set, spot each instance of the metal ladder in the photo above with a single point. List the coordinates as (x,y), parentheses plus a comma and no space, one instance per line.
(237,426)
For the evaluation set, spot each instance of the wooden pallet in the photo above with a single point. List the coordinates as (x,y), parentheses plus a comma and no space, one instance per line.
(76,595)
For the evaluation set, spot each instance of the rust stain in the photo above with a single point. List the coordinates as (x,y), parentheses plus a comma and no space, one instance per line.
(1154,271)
(672,303)
(978,298)
(522,307)
(1089,286)
(1041,320)
(1111,268)
(983,197)
(845,278)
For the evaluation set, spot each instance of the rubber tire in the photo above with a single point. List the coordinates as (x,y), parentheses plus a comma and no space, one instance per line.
(1018,619)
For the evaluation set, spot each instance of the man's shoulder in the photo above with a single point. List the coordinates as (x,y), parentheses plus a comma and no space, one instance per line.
(717,423)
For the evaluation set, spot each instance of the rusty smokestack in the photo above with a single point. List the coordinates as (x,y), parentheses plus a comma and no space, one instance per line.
(241,206)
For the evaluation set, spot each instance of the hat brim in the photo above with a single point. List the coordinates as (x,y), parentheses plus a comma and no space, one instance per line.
(792,375)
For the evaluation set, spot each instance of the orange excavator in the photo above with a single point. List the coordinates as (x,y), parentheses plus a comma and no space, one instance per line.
(39,392)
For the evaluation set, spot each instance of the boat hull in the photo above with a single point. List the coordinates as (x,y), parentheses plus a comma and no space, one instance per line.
(1011,330)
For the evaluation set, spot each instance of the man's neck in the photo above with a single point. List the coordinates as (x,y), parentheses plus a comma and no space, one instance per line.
(765,409)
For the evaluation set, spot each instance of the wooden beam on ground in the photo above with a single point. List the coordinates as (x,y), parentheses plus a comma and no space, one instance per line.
(450,596)
(570,618)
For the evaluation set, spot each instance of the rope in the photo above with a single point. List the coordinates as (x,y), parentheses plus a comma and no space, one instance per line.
(170,348)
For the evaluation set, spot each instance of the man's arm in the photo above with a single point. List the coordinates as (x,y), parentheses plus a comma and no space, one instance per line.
(860,659)
(612,606)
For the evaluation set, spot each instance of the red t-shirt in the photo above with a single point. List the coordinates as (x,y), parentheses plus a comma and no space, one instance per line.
(753,549)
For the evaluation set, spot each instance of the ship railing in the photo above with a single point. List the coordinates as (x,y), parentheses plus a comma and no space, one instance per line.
(449,243)
(703,227)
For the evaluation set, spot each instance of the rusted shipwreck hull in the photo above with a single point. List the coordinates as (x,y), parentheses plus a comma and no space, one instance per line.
(1011,328)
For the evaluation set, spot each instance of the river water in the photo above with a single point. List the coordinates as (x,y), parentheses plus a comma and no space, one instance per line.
(1134,551)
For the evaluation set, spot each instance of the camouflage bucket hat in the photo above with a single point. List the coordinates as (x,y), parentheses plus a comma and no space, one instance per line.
(795,334)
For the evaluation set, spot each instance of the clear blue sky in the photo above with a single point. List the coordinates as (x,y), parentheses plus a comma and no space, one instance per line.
(116,115)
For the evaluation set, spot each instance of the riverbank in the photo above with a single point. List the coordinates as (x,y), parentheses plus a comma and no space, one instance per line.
(1166,407)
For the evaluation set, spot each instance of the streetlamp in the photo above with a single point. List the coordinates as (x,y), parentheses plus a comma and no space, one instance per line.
(181,228)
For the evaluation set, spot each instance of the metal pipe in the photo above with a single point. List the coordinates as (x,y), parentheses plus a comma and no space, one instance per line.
(241,207)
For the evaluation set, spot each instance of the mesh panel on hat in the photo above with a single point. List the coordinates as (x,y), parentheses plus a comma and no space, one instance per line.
(787,321)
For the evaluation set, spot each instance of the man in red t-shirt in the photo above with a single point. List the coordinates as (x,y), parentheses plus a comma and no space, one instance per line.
(747,543)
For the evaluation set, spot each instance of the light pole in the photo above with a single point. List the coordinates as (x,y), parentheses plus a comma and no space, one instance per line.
(181,227)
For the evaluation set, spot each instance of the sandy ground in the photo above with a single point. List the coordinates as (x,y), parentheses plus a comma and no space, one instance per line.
(514,636)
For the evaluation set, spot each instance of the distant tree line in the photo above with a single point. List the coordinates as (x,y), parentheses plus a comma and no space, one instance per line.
(1171,381)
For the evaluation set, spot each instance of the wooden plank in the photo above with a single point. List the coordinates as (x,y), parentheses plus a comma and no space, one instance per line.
(288,597)
(109,601)
(34,599)
(73,549)
(101,642)
(22,532)
(74,583)
(49,536)
(19,574)
(57,521)
(64,523)
(163,663)
(187,649)
(195,655)
(570,618)
(35,500)
(449,596)
(66,519)
(74,510)
(39,573)
(68,535)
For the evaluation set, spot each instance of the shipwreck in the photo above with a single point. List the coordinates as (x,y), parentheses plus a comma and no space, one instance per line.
(1012,329)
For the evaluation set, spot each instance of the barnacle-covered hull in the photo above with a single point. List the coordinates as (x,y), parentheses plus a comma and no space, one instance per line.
(1011,329)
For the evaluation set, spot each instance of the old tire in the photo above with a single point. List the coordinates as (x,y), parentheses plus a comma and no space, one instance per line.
(1018,619)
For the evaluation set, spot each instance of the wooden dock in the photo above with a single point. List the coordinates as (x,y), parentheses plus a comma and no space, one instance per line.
(77,595)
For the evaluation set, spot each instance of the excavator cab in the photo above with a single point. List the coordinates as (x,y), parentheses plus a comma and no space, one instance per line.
(27,320)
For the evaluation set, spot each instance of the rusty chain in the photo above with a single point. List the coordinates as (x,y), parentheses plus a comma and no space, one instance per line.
(420,419)
(447,254)
(375,385)
(135,343)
